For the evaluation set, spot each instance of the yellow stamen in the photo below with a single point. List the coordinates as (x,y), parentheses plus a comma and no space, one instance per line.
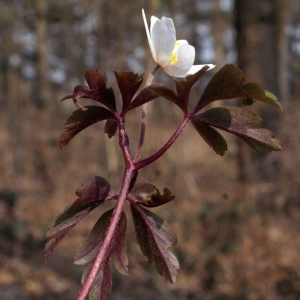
(172,58)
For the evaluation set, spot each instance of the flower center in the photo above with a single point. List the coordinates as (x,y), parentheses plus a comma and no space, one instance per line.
(172,58)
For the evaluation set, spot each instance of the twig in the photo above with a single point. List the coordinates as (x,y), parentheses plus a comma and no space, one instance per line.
(144,118)
(141,164)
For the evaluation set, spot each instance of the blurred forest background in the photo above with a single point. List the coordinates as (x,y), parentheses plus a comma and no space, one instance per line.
(237,217)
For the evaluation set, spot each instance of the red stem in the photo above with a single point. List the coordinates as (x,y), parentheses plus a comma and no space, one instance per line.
(116,216)
(141,164)
(101,255)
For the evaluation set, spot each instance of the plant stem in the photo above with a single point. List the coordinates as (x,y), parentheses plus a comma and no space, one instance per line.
(144,117)
(109,235)
(141,164)
(103,252)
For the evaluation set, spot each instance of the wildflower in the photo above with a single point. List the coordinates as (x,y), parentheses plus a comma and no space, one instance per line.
(176,58)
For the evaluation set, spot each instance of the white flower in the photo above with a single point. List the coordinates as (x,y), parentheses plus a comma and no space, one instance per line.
(175,57)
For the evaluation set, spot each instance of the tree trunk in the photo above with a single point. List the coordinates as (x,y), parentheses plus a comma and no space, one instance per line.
(42,90)
(257,23)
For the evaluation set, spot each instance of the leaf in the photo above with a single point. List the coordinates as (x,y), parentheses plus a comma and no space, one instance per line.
(93,192)
(69,96)
(119,247)
(111,127)
(241,122)
(96,79)
(144,96)
(227,84)
(57,232)
(81,119)
(91,244)
(96,90)
(128,83)
(96,189)
(148,195)
(254,91)
(164,91)
(183,87)
(211,136)
(89,248)
(155,236)
(248,101)
(102,283)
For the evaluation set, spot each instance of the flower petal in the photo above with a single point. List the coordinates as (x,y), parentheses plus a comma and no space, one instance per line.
(186,56)
(148,33)
(194,69)
(163,37)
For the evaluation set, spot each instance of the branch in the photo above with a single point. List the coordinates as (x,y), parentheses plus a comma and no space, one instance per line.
(141,164)
(144,117)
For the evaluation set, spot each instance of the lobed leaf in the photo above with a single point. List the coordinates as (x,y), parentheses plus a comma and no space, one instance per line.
(110,128)
(56,233)
(211,136)
(96,189)
(96,79)
(241,122)
(155,236)
(96,90)
(119,253)
(164,91)
(102,283)
(128,83)
(90,246)
(93,192)
(148,195)
(144,96)
(81,119)
(183,87)
(227,84)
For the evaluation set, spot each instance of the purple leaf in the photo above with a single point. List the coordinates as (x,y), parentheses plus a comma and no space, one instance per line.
(241,122)
(183,87)
(119,247)
(144,96)
(227,84)
(96,79)
(81,119)
(102,283)
(69,96)
(96,189)
(57,232)
(212,137)
(128,83)
(154,91)
(93,192)
(89,247)
(164,91)
(111,127)
(148,195)
(155,236)
(96,90)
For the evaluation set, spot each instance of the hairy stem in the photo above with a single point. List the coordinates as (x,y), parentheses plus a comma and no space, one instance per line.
(161,151)
(144,117)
